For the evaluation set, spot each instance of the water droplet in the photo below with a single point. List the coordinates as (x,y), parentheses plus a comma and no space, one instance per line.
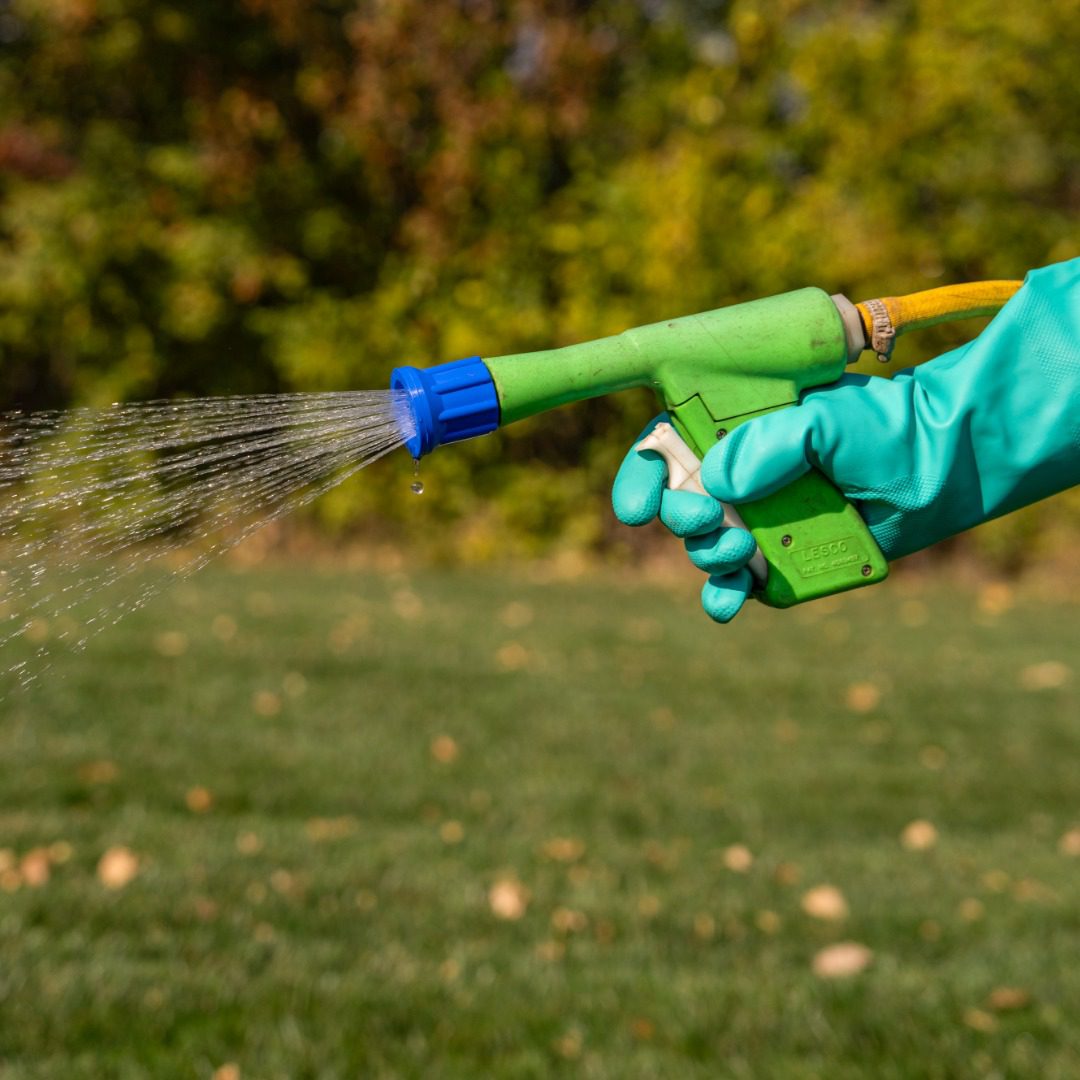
(417,487)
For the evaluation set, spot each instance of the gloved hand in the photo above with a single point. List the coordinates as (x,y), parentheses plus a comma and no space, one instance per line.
(976,433)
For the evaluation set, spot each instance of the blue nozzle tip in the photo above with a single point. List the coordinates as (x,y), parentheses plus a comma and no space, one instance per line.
(447,403)
(420,442)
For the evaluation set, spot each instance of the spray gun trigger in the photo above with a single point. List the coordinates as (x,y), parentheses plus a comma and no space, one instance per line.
(684,474)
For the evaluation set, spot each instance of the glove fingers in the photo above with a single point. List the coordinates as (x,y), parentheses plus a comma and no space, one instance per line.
(686,513)
(722,551)
(760,457)
(639,483)
(723,595)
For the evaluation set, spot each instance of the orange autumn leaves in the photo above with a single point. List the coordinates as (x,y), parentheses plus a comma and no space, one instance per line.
(33,868)
(116,867)
(866,696)
(508,898)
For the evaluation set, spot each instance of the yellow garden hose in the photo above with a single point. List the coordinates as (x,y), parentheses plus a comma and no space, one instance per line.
(885,319)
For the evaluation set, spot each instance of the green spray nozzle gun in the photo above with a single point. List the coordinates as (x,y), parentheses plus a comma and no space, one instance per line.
(711,372)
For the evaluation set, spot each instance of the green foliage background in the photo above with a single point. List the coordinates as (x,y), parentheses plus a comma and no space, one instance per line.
(208,197)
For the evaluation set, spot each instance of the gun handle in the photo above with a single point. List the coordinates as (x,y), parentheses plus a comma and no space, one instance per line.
(815,542)
(811,540)
(684,474)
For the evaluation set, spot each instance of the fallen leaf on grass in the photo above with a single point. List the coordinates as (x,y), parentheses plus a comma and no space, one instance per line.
(649,906)
(508,899)
(206,908)
(933,757)
(1069,844)
(199,800)
(117,867)
(319,829)
(980,1020)
(451,832)
(512,656)
(919,835)
(550,951)
(862,697)
(786,874)
(663,718)
(843,959)
(738,858)
(247,843)
(266,703)
(1008,998)
(1048,675)
(283,882)
(171,643)
(98,772)
(35,867)
(564,849)
(995,598)
(569,1045)
(568,921)
(768,922)
(1028,890)
(657,854)
(825,902)
(786,731)
(972,909)
(444,749)
(704,926)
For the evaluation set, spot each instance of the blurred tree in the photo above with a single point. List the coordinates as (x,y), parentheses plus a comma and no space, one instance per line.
(274,194)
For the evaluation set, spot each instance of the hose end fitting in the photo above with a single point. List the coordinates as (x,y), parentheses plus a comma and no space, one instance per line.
(447,403)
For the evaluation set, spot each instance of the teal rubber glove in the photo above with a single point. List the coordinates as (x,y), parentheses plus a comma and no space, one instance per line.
(976,433)
(640,494)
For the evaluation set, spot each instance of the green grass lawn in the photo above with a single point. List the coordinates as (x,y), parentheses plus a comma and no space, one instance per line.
(468,824)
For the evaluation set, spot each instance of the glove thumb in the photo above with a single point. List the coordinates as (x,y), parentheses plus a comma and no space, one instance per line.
(762,455)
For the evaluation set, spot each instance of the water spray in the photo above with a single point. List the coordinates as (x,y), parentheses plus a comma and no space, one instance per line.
(90,498)
(711,372)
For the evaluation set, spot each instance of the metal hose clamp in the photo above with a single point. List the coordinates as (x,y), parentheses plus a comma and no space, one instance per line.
(882,331)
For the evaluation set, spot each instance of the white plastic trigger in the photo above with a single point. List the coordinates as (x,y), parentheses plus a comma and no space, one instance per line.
(684,474)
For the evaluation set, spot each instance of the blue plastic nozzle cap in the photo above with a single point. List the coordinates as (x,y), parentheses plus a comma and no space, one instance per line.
(448,402)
